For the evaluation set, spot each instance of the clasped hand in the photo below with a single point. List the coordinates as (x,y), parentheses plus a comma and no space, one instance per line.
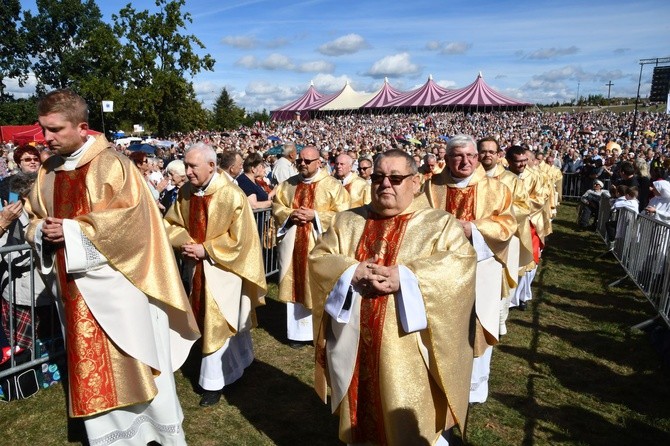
(371,279)
(194,251)
(52,230)
(302,216)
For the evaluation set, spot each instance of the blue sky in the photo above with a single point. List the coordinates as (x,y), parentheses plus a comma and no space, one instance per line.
(268,52)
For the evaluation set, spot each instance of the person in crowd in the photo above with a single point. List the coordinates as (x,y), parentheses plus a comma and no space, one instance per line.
(365,169)
(303,209)
(521,245)
(285,168)
(253,169)
(358,188)
(177,177)
(623,198)
(428,168)
(210,225)
(644,180)
(15,267)
(590,201)
(231,164)
(483,207)
(517,159)
(141,161)
(377,280)
(126,327)
(659,205)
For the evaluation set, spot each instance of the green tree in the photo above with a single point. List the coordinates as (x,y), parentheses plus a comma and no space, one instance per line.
(157,55)
(14,61)
(227,115)
(18,111)
(253,118)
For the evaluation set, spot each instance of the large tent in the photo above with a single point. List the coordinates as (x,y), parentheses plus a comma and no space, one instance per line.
(429,96)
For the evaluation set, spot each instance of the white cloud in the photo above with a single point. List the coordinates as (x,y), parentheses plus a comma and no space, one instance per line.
(277,61)
(446,83)
(13,88)
(243,42)
(247,62)
(448,47)
(548,53)
(317,66)
(328,83)
(395,65)
(277,43)
(349,44)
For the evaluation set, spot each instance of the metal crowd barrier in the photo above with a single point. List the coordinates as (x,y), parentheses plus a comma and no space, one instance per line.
(574,186)
(9,255)
(640,244)
(266,232)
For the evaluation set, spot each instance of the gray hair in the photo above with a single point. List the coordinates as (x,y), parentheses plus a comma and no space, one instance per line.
(428,157)
(460,141)
(176,167)
(207,151)
(289,147)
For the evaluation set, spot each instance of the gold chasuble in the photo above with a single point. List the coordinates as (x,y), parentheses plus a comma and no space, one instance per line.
(223,222)
(325,195)
(390,387)
(359,191)
(98,369)
(107,197)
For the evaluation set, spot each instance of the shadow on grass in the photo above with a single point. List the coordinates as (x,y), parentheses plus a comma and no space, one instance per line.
(272,319)
(283,407)
(586,427)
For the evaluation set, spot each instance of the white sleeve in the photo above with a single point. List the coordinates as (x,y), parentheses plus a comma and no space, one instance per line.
(478,242)
(80,253)
(46,259)
(340,300)
(411,308)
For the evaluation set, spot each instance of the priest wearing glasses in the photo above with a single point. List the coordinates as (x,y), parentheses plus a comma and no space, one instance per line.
(303,208)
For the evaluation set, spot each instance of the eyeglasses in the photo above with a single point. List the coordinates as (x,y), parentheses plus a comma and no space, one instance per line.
(306,161)
(30,159)
(364,168)
(461,157)
(395,180)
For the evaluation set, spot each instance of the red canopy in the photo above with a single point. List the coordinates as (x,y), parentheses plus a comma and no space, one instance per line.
(24,134)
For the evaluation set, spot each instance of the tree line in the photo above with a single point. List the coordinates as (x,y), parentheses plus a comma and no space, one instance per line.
(142,61)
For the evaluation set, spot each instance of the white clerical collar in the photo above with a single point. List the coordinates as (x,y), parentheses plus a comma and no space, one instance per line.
(462,182)
(348,179)
(311,179)
(491,172)
(201,190)
(70,161)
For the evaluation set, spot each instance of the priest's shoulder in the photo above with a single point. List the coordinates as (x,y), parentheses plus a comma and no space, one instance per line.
(432,214)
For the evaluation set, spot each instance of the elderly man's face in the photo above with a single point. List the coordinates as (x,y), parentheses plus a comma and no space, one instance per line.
(463,161)
(389,199)
(236,168)
(343,166)
(198,170)
(488,155)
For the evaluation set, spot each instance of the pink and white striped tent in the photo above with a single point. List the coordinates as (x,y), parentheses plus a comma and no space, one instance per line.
(299,106)
(479,94)
(386,95)
(425,96)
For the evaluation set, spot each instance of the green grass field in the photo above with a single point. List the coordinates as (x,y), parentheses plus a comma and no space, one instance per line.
(569,372)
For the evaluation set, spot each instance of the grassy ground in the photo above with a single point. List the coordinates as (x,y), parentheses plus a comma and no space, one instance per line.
(570,371)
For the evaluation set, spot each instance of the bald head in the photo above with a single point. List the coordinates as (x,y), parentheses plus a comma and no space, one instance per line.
(308,162)
(343,165)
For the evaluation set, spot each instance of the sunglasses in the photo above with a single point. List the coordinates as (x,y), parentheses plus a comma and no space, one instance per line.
(395,180)
(29,159)
(364,168)
(305,161)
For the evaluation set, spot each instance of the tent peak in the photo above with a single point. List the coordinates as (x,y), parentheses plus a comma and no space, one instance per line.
(480,75)
(430,77)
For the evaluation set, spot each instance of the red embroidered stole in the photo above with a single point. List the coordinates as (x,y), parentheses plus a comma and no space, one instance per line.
(381,236)
(304,196)
(197,229)
(101,377)
(461,203)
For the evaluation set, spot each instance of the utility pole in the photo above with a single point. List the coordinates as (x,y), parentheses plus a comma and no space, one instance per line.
(609,88)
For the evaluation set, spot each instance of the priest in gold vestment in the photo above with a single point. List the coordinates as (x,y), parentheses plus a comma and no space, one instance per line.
(393,288)
(358,188)
(517,157)
(303,207)
(127,321)
(213,227)
(483,206)
(521,245)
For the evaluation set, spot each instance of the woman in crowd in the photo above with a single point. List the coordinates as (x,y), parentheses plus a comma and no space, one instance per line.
(16,281)
(142,162)
(177,175)
(254,168)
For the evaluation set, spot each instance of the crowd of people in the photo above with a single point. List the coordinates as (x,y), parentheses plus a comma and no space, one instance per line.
(403,242)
